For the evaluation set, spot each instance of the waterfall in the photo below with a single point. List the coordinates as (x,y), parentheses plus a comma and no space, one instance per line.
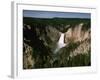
(60,43)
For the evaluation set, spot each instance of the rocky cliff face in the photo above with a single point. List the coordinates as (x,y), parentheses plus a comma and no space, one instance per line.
(40,40)
(28,60)
(78,35)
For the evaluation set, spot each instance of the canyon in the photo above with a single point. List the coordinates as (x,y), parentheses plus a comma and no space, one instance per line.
(49,43)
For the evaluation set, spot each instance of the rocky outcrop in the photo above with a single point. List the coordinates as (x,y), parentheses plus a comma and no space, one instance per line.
(78,35)
(28,60)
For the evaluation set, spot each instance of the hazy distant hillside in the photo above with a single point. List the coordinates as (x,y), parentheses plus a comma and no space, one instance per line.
(42,47)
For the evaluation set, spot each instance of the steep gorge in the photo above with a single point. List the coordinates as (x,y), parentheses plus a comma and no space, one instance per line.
(49,43)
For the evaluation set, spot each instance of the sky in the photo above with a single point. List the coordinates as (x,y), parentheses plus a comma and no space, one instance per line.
(51,14)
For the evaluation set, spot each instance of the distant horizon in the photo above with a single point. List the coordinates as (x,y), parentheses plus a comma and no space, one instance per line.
(55,18)
(53,14)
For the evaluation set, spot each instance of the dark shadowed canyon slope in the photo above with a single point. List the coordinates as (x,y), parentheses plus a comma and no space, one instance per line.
(56,42)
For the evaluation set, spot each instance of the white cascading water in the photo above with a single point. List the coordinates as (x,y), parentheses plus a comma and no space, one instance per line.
(60,43)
